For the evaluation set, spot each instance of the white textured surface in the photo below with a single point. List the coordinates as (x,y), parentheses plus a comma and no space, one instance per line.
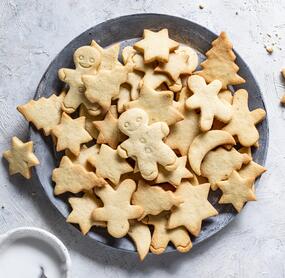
(33,32)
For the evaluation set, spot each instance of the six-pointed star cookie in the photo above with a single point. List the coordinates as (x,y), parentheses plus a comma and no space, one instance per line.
(174,177)
(243,121)
(70,134)
(109,132)
(70,177)
(162,235)
(82,209)
(158,105)
(194,209)
(156,45)
(177,64)
(117,209)
(21,158)
(236,191)
(109,164)
(44,113)
(205,97)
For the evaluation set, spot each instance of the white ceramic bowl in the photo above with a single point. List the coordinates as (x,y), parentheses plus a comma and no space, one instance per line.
(47,241)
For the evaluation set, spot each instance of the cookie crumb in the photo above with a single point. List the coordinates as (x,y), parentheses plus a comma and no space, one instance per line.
(269,49)
(201,7)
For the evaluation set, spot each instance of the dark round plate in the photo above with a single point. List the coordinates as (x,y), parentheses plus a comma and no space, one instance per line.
(126,30)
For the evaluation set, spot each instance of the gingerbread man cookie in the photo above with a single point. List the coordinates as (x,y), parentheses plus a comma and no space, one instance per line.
(145,143)
(86,60)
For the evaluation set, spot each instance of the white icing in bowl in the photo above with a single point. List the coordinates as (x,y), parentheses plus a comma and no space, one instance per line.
(31,252)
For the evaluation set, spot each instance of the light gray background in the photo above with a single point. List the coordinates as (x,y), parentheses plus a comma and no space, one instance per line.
(33,32)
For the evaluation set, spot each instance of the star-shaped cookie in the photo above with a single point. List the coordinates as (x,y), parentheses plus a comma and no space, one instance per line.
(205,98)
(70,134)
(162,235)
(21,158)
(178,63)
(158,105)
(82,209)
(44,113)
(194,209)
(109,164)
(117,209)
(243,121)
(236,191)
(109,56)
(156,45)
(71,177)
(174,177)
(109,132)
(153,199)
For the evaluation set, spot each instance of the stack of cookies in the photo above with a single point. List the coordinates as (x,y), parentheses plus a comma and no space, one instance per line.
(147,139)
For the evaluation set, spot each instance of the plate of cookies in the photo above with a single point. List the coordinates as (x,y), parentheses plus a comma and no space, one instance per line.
(150,131)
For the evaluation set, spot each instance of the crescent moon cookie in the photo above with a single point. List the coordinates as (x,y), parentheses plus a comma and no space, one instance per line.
(145,143)
(151,141)
(205,98)
(243,121)
(205,142)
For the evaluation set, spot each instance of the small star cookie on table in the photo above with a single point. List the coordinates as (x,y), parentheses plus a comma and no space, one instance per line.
(21,158)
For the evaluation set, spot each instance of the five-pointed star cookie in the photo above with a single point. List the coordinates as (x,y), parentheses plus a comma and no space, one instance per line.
(70,134)
(109,132)
(109,164)
(205,97)
(105,85)
(117,209)
(70,177)
(162,235)
(182,61)
(156,45)
(153,199)
(194,209)
(236,191)
(109,56)
(82,209)
(44,113)
(174,177)
(243,121)
(21,158)
(158,105)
